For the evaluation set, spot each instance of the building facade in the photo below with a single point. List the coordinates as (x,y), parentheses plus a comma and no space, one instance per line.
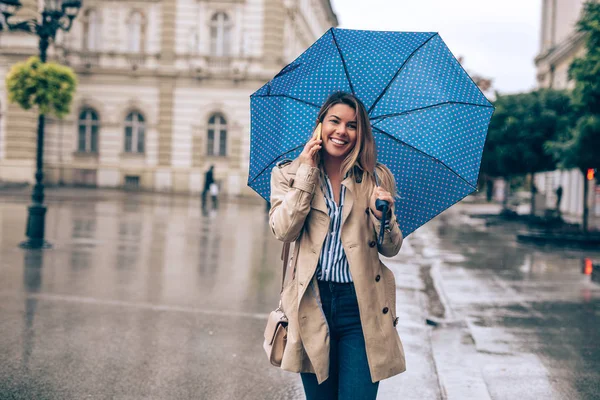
(163,91)
(560,44)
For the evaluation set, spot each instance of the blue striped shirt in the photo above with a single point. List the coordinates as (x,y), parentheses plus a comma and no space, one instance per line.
(333,265)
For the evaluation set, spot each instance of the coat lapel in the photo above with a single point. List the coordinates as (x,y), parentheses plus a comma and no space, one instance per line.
(318,200)
(349,199)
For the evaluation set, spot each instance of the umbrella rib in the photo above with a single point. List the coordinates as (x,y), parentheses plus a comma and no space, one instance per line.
(425,154)
(271,162)
(381,117)
(343,62)
(398,72)
(289,97)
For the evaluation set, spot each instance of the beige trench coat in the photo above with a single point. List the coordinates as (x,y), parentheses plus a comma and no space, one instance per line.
(299,214)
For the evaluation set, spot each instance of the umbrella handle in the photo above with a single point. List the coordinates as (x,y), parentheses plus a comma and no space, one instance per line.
(383,206)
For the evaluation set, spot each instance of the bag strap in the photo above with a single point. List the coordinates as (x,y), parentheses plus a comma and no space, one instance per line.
(285,256)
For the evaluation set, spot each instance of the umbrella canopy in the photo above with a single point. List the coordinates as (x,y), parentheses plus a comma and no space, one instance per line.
(428,117)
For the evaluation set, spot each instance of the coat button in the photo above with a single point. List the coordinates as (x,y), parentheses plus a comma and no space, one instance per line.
(396,321)
(372,243)
(377,278)
(385,310)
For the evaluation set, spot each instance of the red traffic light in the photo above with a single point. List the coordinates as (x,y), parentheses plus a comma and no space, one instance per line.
(591,174)
(587,266)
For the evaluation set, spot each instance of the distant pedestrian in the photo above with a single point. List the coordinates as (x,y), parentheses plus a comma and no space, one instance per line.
(489,186)
(214,194)
(559,193)
(208,180)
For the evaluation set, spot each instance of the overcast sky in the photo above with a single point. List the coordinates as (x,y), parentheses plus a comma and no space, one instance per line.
(497,38)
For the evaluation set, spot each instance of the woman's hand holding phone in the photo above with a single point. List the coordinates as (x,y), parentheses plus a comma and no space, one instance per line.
(312,147)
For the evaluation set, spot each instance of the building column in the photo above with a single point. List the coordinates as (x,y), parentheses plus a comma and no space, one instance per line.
(273,33)
(20,133)
(20,126)
(167,82)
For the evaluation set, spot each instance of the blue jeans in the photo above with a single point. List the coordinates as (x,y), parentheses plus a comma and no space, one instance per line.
(349,375)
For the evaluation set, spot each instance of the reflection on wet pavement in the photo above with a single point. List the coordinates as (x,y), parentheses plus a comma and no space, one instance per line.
(141,298)
(534,317)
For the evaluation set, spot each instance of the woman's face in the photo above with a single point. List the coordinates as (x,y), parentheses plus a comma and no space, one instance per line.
(339,131)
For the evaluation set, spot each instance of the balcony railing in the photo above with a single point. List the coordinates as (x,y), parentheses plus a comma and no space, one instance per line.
(219,64)
(86,60)
(89,59)
(206,67)
(136,60)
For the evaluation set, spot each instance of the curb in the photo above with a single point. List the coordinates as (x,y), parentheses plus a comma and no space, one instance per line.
(437,278)
(454,351)
(590,240)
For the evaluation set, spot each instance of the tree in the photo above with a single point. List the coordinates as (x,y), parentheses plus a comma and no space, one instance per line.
(48,86)
(580,151)
(520,126)
(580,146)
(586,70)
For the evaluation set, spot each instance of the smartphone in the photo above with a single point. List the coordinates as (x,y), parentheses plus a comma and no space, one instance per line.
(317,132)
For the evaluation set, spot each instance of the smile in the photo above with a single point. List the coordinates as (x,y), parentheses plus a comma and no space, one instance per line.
(338,141)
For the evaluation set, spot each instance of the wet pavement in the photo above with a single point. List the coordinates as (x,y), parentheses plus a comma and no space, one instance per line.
(142,297)
(532,313)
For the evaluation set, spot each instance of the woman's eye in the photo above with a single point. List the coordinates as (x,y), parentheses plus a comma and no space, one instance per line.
(333,121)
(352,127)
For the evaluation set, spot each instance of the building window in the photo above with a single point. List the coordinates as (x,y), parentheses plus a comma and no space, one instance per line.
(91,31)
(135,32)
(132,182)
(220,35)
(89,125)
(135,132)
(217,136)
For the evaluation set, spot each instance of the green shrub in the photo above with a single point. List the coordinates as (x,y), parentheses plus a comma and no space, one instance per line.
(49,86)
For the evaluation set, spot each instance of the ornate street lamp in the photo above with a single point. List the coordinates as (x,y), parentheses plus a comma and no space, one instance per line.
(9,7)
(56,15)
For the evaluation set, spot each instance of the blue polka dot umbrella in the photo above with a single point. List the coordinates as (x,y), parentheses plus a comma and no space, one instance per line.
(429,118)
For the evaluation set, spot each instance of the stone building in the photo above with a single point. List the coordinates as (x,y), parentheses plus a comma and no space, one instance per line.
(163,92)
(560,44)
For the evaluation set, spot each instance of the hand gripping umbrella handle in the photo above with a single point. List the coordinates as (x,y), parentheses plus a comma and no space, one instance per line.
(383,206)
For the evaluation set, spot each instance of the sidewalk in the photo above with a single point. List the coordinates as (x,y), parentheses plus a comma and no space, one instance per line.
(517,317)
(449,345)
(420,381)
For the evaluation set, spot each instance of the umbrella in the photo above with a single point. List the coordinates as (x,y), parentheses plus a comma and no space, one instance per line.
(428,117)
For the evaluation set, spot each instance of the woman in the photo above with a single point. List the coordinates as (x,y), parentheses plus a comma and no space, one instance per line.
(341,301)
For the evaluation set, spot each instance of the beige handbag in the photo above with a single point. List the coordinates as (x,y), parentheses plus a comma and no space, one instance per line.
(276,330)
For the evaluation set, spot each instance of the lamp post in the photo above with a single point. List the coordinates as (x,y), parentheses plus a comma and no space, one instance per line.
(56,15)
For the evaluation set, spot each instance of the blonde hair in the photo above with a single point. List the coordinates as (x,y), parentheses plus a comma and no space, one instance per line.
(364,154)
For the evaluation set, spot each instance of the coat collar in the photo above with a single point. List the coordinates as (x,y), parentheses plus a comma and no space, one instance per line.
(318,201)
(348,182)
